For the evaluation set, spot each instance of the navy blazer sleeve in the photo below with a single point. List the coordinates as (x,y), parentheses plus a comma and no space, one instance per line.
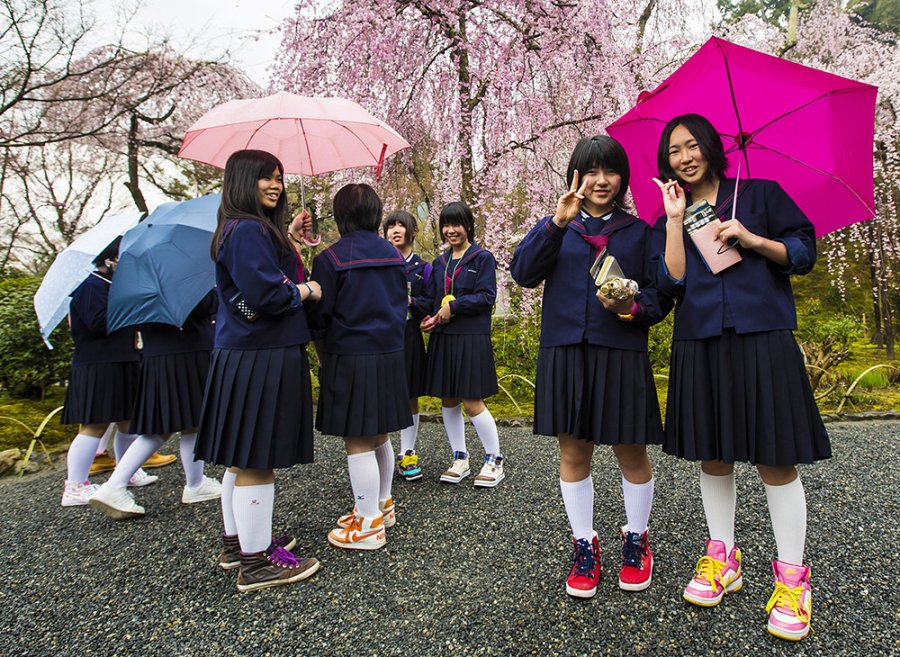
(787,224)
(536,255)
(325,275)
(652,306)
(252,262)
(482,297)
(93,307)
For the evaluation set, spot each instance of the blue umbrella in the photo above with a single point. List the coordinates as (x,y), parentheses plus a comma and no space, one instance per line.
(164,265)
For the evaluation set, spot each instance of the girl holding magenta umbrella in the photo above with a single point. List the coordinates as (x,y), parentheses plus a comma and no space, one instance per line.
(738,388)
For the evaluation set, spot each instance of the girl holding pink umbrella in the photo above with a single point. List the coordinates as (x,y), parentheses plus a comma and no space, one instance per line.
(738,388)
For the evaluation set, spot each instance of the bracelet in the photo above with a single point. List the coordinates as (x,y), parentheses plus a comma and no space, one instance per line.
(308,287)
(630,316)
(292,238)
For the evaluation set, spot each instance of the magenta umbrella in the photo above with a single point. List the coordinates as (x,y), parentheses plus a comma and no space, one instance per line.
(810,130)
(309,135)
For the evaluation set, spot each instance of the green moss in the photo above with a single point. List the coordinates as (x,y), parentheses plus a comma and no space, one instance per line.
(32,412)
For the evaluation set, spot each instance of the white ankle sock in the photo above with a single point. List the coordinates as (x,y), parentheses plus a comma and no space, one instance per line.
(787,509)
(719,495)
(384,454)
(578,497)
(408,435)
(228,503)
(486,429)
(193,470)
(455,427)
(253,506)
(121,443)
(140,450)
(638,503)
(365,482)
(81,455)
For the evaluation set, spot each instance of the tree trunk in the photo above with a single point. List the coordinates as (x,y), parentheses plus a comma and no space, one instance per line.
(467,106)
(134,182)
(877,336)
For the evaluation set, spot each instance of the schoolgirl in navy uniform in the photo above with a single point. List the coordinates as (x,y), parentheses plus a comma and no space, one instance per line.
(257,407)
(103,380)
(594,385)
(173,377)
(363,391)
(738,389)
(460,365)
(400,229)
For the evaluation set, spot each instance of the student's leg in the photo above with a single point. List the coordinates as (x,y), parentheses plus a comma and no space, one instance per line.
(193,469)
(142,448)
(454,425)
(787,509)
(484,425)
(409,434)
(717,489)
(637,485)
(81,452)
(576,484)
(253,502)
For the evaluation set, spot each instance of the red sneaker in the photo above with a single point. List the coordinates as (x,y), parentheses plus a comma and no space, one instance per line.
(585,574)
(637,562)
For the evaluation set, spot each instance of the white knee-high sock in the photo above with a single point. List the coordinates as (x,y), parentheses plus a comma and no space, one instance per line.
(81,455)
(140,450)
(638,503)
(408,436)
(455,427)
(253,506)
(193,470)
(121,443)
(578,497)
(105,438)
(719,495)
(365,482)
(787,509)
(486,429)
(228,503)
(384,454)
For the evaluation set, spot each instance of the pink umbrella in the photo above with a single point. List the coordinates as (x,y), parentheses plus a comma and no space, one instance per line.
(809,130)
(309,135)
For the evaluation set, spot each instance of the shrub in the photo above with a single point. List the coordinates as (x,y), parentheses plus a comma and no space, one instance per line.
(825,338)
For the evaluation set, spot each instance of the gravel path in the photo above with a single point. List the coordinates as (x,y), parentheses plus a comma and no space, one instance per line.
(465,571)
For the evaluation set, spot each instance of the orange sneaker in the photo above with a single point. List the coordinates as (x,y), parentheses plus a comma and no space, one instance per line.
(387,510)
(158,460)
(360,534)
(103,462)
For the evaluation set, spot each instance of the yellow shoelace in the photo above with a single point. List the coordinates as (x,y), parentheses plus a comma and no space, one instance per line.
(784,595)
(410,459)
(711,570)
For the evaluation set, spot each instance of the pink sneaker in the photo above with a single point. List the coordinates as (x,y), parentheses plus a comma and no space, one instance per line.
(715,575)
(790,607)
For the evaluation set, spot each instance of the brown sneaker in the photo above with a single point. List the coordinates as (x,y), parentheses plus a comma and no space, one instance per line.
(230,556)
(273,566)
(103,462)
(159,460)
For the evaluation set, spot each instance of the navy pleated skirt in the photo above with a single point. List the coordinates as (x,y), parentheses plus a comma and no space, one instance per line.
(100,393)
(460,366)
(598,394)
(257,409)
(170,393)
(414,359)
(743,398)
(363,394)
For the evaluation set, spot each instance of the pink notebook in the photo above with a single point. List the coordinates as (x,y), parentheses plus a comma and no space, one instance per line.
(703,227)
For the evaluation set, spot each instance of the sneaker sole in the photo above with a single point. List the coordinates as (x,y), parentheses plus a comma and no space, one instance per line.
(485,483)
(203,498)
(411,477)
(74,503)
(367,544)
(734,587)
(247,588)
(625,586)
(143,483)
(578,593)
(787,635)
(450,479)
(113,512)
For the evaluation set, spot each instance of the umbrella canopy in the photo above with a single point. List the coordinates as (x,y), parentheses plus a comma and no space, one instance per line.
(809,130)
(164,265)
(72,266)
(309,135)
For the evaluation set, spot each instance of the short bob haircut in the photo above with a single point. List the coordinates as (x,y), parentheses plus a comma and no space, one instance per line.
(403,218)
(240,196)
(357,207)
(600,152)
(458,214)
(708,139)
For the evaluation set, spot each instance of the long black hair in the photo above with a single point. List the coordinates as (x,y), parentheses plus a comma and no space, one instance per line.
(357,207)
(240,196)
(458,213)
(600,152)
(708,139)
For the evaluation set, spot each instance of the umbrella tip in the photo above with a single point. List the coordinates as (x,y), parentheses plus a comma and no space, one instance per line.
(644,95)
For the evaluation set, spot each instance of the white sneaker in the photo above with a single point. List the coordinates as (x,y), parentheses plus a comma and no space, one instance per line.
(117,503)
(458,470)
(141,478)
(491,472)
(209,489)
(77,493)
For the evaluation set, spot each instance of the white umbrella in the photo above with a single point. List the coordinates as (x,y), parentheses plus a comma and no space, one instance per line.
(72,266)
